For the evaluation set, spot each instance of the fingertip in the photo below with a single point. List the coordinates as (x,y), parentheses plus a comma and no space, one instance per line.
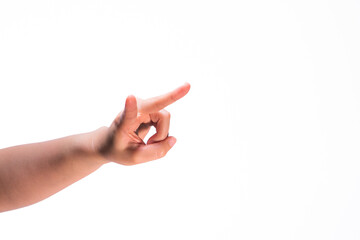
(171,141)
(131,99)
(150,141)
(188,85)
(185,89)
(130,103)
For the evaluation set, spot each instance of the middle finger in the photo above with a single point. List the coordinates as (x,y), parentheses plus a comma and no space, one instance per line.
(161,122)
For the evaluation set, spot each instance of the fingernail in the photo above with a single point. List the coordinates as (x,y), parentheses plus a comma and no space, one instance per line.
(172,141)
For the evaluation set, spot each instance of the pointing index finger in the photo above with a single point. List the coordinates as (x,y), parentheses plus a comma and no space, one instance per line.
(155,104)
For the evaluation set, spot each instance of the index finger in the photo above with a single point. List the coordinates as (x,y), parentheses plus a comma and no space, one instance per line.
(155,104)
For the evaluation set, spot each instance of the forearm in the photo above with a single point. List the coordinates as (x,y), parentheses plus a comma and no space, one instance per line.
(32,172)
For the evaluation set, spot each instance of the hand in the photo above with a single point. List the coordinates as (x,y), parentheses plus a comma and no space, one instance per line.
(123,141)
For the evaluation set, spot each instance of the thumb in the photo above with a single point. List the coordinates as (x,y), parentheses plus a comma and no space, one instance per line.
(154,151)
(128,115)
(130,108)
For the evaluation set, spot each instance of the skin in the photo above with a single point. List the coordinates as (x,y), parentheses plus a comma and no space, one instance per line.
(32,172)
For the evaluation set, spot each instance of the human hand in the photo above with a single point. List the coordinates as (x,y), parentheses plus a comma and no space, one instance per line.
(123,142)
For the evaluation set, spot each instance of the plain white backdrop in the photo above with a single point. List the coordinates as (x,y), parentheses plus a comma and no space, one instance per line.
(268,137)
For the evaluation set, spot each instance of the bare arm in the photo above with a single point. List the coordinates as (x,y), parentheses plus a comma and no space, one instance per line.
(32,172)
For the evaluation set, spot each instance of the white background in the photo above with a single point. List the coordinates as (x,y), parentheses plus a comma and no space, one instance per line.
(268,136)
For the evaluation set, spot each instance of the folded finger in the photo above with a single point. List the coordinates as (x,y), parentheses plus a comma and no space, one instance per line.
(153,151)
(161,122)
(143,130)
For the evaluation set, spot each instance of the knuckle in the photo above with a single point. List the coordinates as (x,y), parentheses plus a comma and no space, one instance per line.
(166,114)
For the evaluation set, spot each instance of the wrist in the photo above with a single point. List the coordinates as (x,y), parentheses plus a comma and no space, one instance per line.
(89,144)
